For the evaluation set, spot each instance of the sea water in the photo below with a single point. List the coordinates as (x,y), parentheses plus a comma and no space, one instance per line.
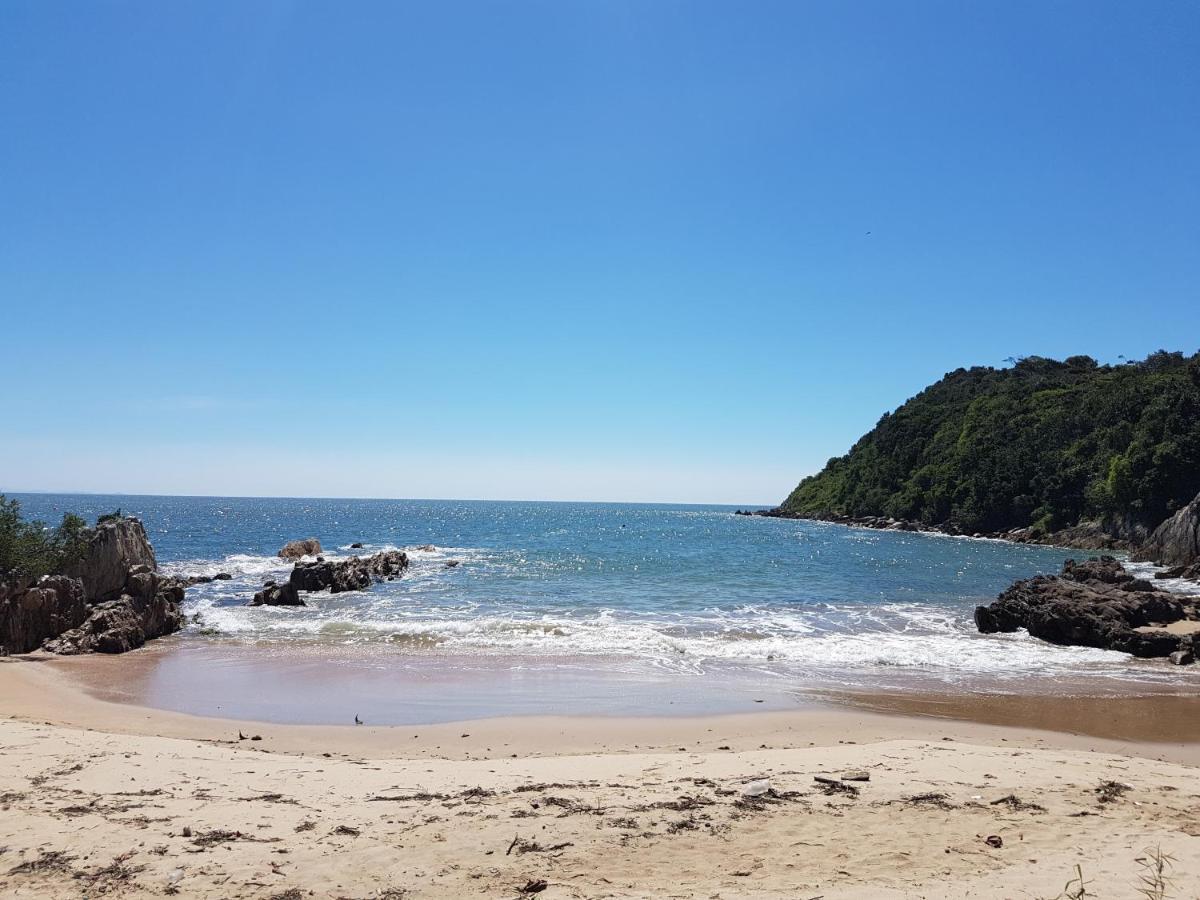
(676,590)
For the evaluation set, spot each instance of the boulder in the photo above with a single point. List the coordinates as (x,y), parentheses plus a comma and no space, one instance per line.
(1092,604)
(274,594)
(297,549)
(32,613)
(1176,542)
(113,549)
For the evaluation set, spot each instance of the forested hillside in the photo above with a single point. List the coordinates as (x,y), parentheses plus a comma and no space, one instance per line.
(1043,444)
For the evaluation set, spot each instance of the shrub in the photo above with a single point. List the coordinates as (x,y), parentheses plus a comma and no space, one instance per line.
(33,549)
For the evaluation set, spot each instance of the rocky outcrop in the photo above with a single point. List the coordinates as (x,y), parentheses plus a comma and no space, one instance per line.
(274,594)
(1094,604)
(297,549)
(1176,542)
(146,608)
(114,549)
(30,614)
(109,601)
(353,574)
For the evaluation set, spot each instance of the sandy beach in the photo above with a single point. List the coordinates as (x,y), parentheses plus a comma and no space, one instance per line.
(105,798)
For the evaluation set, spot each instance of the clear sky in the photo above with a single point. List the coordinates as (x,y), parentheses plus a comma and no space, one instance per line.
(610,250)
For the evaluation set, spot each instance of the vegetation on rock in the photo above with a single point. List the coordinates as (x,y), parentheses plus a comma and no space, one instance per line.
(1044,443)
(33,549)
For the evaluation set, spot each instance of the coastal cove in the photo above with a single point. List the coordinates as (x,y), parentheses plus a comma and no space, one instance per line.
(593,609)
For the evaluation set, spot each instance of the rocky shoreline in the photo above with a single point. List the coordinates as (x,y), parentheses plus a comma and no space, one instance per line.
(1174,543)
(1098,603)
(1091,604)
(1085,536)
(110,600)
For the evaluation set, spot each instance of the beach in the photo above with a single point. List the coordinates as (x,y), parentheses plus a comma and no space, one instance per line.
(109,798)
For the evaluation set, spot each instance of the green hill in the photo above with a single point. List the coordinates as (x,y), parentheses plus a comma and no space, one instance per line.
(1044,443)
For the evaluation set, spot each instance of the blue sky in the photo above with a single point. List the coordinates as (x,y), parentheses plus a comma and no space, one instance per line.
(582,250)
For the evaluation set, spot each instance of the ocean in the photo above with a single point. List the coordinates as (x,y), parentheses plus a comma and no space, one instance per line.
(655,595)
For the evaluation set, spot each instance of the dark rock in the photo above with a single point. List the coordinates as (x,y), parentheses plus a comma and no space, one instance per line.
(1183,657)
(222,576)
(453,563)
(30,614)
(297,549)
(353,574)
(1092,604)
(357,545)
(274,594)
(1176,542)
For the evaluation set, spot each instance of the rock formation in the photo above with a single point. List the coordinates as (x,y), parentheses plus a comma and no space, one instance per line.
(1176,542)
(1095,604)
(297,549)
(114,549)
(146,608)
(109,601)
(353,574)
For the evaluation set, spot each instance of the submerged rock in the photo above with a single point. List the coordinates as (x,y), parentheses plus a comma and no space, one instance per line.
(1093,604)
(274,594)
(297,549)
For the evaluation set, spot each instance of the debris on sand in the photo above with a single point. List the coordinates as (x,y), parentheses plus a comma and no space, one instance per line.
(759,788)
(533,886)
(1108,791)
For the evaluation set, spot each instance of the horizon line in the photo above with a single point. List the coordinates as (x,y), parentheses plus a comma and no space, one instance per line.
(12,492)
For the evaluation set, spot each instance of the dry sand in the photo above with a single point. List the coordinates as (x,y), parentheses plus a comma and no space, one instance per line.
(101,798)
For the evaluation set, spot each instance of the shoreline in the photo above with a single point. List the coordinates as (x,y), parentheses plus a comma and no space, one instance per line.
(38,690)
(104,797)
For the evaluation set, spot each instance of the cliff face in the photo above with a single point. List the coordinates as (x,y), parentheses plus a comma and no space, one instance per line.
(110,601)
(1176,542)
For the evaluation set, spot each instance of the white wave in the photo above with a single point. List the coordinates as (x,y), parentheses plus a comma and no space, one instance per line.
(895,638)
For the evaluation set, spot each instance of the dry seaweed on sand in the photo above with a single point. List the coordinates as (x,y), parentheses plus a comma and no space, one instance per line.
(522,846)
(1016,804)
(930,798)
(830,788)
(223,836)
(115,871)
(48,861)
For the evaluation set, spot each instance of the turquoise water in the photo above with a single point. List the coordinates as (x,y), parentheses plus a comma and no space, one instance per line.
(675,589)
